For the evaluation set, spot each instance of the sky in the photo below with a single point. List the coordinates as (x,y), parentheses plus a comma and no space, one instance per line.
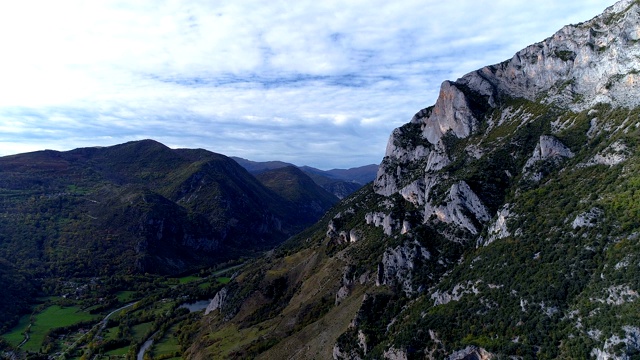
(319,83)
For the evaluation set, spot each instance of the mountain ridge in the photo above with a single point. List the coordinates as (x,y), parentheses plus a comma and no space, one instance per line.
(149,197)
(501,223)
(340,182)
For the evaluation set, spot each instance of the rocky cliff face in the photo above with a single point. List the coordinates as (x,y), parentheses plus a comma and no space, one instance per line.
(581,65)
(503,221)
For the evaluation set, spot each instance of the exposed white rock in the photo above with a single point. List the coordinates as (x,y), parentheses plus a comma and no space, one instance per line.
(460,201)
(498,228)
(362,341)
(437,158)
(331,229)
(458,291)
(355,235)
(395,354)
(548,310)
(389,174)
(591,61)
(364,278)
(398,264)
(618,295)
(631,340)
(471,353)
(587,219)
(451,112)
(414,192)
(614,154)
(474,151)
(548,147)
(595,334)
(339,354)
(406,227)
(217,302)
(623,264)
(381,219)
(342,293)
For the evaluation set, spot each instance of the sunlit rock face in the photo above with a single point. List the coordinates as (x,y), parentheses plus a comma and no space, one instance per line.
(597,61)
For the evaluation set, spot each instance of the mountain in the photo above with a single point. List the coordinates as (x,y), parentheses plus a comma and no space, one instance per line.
(294,185)
(137,207)
(16,295)
(256,167)
(339,182)
(360,175)
(503,223)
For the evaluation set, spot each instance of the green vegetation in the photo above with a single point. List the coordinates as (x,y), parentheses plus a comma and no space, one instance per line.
(39,326)
(565,55)
(129,210)
(74,326)
(535,293)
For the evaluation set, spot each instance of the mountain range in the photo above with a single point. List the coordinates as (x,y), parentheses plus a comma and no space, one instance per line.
(503,223)
(340,182)
(138,208)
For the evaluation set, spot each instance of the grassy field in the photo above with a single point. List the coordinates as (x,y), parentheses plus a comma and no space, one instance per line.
(118,352)
(16,335)
(140,331)
(50,318)
(110,333)
(125,296)
(168,345)
(188,279)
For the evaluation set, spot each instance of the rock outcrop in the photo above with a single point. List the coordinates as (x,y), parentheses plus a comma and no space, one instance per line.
(398,264)
(217,302)
(452,112)
(471,353)
(596,61)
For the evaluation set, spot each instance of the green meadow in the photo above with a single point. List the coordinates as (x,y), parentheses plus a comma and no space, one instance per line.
(52,317)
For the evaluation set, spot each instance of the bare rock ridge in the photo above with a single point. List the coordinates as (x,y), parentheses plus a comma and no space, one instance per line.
(597,61)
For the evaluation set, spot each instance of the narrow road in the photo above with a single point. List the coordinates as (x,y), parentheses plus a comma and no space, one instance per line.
(147,344)
(102,324)
(26,336)
(104,321)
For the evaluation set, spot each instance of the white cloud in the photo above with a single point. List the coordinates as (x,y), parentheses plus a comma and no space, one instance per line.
(317,82)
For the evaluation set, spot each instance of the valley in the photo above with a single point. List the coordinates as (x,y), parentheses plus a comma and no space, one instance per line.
(106,318)
(503,222)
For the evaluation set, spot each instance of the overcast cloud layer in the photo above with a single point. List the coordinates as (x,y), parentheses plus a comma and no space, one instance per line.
(321,83)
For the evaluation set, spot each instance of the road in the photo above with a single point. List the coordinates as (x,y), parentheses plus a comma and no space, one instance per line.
(102,324)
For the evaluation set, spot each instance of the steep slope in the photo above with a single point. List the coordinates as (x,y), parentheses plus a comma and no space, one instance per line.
(360,175)
(504,221)
(17,292)
(291,183)
(135,207)
(339,182)
(256,167)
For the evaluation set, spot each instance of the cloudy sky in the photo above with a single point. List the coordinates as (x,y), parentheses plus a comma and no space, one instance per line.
(320,83)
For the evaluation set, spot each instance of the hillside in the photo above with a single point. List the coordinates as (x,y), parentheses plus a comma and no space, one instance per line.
(311,200)
(503,223)
(133,208)
(339,182)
